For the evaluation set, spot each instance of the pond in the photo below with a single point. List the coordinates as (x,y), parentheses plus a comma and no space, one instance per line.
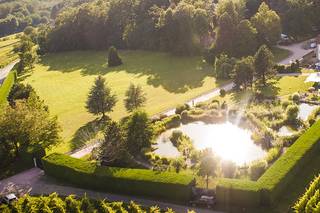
(305,110)
(227,140)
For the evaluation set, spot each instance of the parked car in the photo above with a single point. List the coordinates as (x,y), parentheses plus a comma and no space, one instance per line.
(204,201)
(8,199)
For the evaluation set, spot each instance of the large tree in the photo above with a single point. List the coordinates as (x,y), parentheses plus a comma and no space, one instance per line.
(28,125)
(208,166)
(243,72)
(139,133)
(18,92)
(27,54)
(135,98)
(268,24)
(100,100)
(264,64)
(223,66)
(246,42)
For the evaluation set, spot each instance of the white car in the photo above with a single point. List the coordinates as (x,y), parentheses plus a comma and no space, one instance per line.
(8,199)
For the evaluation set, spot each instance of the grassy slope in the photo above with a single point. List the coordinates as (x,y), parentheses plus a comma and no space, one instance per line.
(63,81)
(5,88)
(6,47)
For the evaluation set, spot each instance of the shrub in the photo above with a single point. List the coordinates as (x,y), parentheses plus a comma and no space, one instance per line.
(181,108)
(162,185)
(223,93)
(310,200)
(113,57)
(292,114)
(296,97)
(257,168)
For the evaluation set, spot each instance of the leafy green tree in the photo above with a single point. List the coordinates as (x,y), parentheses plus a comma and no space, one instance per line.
(27,54)
(223,66)
(100,100)
(139,133)
(113,57)
(268,24)
(263,64)
(243,72)
(19,92)
(209,165)
(135,98)
(229,169)
(28,125)
(246,42)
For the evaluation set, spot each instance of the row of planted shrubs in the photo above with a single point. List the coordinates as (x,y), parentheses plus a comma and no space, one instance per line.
(276,179)
(142,182)
(72,204)
(310,200)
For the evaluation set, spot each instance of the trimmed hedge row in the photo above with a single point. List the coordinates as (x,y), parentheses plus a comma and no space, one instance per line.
(164,185)
(274,181)
(6,87)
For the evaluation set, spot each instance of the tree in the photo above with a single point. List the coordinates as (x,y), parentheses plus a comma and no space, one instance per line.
(100,100)
(19,92)
(113,57)
(27,54)
(246,42)
(28,125)
(135,98)
(243,72)
(264,63)
(268,24)
(139,133)
(208,165)
(112,151)
(223,66)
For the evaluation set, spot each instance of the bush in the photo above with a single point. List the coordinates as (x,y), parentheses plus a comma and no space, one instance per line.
(113,57)
(296,97)
(310,200)
(162,185)
(257,168)
(181,108)
(223,93)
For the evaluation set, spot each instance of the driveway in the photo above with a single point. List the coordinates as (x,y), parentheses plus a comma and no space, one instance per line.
(297,52)
(5,71)
(35,182)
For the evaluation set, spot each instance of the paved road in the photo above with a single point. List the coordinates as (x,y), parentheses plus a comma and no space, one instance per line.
(35,182)
(5,71)
(297,52)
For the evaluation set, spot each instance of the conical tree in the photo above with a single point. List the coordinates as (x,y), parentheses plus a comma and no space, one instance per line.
(263,63)
(113,57)
(100,100)
(135,98)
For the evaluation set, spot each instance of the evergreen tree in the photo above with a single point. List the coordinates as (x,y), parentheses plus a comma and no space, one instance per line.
(100,100)
(264,63)
(113,57)
(246,42)
(139,133)
(135,98)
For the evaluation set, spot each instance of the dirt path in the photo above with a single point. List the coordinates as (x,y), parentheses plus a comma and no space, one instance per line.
(35,182)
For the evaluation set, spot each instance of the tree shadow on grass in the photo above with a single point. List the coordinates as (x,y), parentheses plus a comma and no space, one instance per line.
(175,74)
(87,132)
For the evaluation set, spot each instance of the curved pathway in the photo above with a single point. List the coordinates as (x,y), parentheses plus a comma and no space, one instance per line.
(5,71)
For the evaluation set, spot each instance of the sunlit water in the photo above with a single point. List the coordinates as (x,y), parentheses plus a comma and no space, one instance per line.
(305,110)
(227,140)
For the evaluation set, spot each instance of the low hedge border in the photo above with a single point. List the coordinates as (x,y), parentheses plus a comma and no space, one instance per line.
(271,184)
(163,185)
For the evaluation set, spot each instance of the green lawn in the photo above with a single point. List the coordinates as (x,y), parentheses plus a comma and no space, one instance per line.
(6,49)
(63,81)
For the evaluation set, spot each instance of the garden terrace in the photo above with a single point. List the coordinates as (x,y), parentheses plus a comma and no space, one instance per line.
(164,185)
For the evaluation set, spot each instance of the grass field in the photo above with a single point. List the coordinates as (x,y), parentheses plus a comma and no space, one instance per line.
(280,54)
(6,50)
(63,81)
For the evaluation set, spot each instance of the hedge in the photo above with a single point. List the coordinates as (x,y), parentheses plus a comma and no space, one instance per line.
(6,87)
(163,185)
(274,181)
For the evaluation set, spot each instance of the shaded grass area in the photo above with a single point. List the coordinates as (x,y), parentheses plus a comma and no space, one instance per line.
(280,54)
(6,50)
(63,80)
